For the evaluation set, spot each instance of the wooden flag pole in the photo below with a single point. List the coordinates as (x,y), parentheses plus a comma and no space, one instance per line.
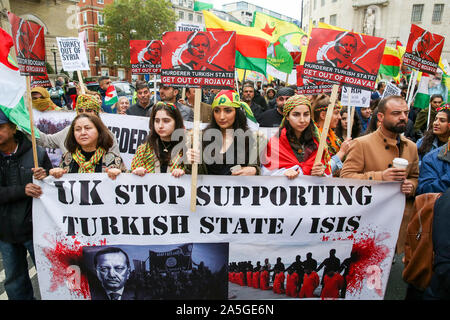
(80,79)
(154,88)
(30,111)
(326,126)
(286,83)
(349,119)
(196,147)
(352,117)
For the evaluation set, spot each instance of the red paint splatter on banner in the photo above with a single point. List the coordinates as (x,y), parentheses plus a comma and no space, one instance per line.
(367,252)
(66,262)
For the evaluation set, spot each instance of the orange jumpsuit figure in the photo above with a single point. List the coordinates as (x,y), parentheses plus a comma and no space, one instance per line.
(264,280)
(278,284)
(249,278)
(310,283)
(255,280)
(333,282)
(292,284)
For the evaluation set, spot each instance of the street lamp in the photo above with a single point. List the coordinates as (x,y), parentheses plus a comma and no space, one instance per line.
(54,49)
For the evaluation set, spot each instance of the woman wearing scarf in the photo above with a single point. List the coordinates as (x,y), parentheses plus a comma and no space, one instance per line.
(337,148)
(155,155)
(85,103)
(41,101)
(293,150)
(87,144)
(234,148)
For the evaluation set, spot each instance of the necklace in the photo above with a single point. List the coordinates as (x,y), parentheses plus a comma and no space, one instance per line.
(165,147)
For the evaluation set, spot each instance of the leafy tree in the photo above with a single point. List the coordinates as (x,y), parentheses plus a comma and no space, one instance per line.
(148,19)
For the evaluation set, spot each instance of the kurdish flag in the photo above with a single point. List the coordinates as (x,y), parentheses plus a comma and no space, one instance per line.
(12,86)
(251,43)
(111,96)
(390,63)
(422,99)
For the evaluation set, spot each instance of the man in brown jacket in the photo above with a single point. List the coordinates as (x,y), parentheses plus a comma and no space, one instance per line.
(370,157)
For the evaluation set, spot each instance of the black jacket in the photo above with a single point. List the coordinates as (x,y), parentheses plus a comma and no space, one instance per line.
(15,205)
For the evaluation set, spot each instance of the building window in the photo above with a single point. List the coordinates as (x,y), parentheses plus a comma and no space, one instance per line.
(190,16)
(322,19)
(333,20)
(437,12)
(100,19)
(315,4)
(322,3)
(103,59)
(417,11)
(199,19)
(181,14)
(102,37)
(100,2)
(84,15)
(333,0)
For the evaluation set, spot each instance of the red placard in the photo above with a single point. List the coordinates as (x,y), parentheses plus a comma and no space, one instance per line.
(40,81)
(199,59)
(29,44)
(145,56)
(343,57)
(309,86)
(423,50)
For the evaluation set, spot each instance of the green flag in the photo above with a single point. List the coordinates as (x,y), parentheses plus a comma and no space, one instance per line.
(19,116)
(199,6)
(279,57)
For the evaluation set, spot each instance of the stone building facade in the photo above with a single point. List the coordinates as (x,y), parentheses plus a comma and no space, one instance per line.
(389,19)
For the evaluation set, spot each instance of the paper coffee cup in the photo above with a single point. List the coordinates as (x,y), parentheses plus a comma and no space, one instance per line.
(400,163)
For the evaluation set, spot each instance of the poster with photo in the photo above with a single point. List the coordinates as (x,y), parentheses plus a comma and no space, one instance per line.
(145,56)
(199,59)
(29,44)
(423,50)
(343,57)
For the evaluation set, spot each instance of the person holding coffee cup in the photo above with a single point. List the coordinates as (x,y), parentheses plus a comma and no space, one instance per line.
(372,156)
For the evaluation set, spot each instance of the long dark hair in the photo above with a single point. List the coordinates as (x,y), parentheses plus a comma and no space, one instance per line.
(356,125)
(153,139)
(372,126)
(105,139)
(429,136)
(307,136)
(240,121)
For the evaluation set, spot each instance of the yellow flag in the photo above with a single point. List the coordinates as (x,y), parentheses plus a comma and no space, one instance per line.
(277,28)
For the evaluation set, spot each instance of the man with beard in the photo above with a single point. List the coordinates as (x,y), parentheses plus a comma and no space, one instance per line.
(144,103)
(273,117)
(370,157)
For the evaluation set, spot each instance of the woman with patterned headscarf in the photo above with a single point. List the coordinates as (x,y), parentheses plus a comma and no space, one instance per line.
(85,103)
(88,143)
(155,155)
(337,148)
(293,150)
(40,99)
(233,149)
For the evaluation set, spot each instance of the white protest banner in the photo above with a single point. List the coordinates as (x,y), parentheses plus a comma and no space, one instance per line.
(350,227)
(73,54)
(358,97)
(391,90)
(183,26)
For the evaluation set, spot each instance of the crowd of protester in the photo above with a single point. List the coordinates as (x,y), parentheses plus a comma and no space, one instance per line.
(385,130)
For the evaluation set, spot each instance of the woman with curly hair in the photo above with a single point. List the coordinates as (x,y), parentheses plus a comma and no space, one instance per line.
(437,135)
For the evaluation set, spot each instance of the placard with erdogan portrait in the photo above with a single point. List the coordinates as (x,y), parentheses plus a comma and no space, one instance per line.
(343,57)
(198,59)
(29,44)
(423,50)
(145,56)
